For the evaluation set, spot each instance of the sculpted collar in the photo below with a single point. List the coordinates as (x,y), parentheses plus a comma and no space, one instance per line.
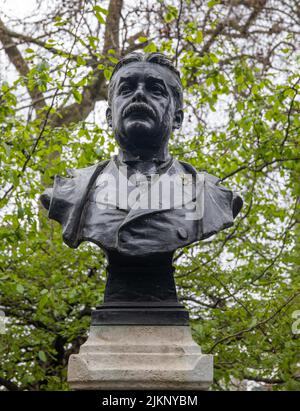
(127,157)
(136,165)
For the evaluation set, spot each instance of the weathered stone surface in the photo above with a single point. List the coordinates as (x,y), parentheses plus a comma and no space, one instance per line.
(140,357)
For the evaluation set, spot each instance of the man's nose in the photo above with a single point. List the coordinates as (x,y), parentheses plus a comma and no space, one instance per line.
(139,94)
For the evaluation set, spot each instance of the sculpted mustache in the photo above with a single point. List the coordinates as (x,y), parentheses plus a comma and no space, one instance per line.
(142,107)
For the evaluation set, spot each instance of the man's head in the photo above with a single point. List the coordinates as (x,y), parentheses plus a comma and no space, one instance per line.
(145,101)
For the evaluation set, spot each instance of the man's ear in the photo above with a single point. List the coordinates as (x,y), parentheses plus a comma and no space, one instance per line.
(178,119)
(109,117)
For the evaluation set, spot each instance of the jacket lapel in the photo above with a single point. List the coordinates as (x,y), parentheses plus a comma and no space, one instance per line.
(82,181)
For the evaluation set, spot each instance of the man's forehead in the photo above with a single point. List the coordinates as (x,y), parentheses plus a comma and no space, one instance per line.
(146,69)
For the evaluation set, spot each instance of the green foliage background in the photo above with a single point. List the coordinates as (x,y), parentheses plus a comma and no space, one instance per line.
(242,124)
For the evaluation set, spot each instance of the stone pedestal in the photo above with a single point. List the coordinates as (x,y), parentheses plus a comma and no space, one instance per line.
(140,337)
(140,357)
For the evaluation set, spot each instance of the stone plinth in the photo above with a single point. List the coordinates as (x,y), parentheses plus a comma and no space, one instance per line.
(137,357)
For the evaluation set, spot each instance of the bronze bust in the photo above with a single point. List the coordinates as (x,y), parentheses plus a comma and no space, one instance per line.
(139,221)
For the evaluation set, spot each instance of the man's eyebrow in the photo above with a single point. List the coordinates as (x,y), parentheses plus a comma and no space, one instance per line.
(132,78)
(156,79)
(127,79)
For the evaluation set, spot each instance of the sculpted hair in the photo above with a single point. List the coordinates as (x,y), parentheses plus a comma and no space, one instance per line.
(155,58)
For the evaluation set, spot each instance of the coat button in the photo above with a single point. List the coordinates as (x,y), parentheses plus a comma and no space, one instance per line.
(182,233)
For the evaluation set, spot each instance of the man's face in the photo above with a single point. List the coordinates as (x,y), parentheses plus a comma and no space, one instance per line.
(143,112)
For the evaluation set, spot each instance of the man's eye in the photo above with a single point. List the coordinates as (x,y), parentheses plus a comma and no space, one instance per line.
(125,89)
(155,89)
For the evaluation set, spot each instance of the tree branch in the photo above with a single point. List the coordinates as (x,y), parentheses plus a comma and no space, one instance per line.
(16,58)
(97,90)
(111,35)
(246,330)
(28,39)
